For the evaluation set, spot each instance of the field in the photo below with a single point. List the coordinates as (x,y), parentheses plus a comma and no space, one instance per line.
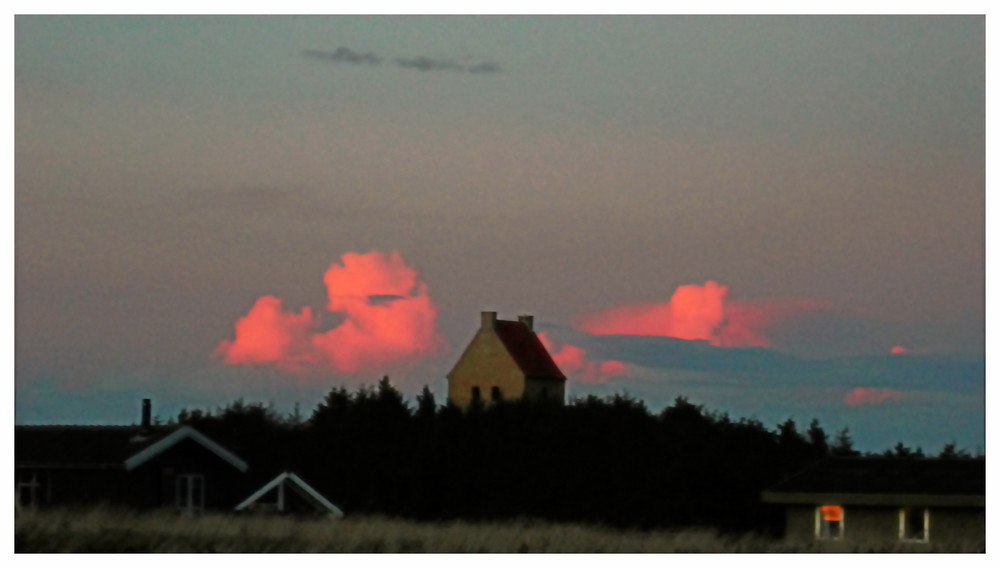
(104,530)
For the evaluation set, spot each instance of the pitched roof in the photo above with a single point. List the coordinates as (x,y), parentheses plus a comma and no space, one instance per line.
(885,480)
(296,483)
(527,350)
(105,447)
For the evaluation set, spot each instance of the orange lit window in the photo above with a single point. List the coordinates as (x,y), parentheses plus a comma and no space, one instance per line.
(830,522)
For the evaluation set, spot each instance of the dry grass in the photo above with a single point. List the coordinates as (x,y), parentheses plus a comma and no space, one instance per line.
(104,530)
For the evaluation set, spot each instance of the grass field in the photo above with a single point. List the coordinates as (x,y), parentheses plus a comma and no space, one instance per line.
(105,530)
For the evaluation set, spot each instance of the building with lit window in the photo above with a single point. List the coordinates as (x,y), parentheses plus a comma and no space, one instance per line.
(913,500)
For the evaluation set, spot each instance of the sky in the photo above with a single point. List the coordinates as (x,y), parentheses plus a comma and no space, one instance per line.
(773,216)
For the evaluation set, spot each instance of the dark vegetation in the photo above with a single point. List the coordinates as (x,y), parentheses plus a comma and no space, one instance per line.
(608,461)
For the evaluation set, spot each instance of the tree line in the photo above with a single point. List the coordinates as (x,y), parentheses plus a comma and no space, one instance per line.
(602,460)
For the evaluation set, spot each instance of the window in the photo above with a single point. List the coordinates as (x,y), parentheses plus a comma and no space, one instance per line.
(476,396)
(914,524)
(190,493)
(28,489)
(495,395)
(830,522)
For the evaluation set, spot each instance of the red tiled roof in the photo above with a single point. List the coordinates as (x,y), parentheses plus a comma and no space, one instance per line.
(527,351)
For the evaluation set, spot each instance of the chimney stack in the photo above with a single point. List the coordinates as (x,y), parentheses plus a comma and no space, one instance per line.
(146,414)
(528,321)
(488,319)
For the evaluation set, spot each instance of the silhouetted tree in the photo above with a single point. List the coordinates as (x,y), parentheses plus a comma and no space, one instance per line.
(951,451)
(900,450)
(817,438)
(601,460)
(843,444)
(426,405)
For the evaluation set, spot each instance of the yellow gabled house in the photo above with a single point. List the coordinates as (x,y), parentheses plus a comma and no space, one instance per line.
(505,361)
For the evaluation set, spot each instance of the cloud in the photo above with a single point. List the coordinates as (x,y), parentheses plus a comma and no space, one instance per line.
(486,67)
(270,335)
(417,63)
(388,318)
(863,395)
(573,362)
(344,55)
(698,312)
(427,64)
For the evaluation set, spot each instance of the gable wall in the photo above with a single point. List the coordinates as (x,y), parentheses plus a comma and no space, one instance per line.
(485,363)
(153,484)
(545,389)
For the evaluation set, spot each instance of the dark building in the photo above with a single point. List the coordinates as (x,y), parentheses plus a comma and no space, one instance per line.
(140,467)
(288,493)
(917,500)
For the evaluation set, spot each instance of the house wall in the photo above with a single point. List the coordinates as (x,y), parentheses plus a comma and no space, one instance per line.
(800,522)
(545,389)
(881,524)
(958,523)
(485,363)
(154,483)
(74,487)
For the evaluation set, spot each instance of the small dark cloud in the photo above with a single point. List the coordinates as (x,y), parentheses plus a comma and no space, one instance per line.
(344,55)
(486,67)
(383,299)
(417,63)
(427,64)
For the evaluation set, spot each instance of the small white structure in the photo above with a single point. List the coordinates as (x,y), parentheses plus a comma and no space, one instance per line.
(288,493)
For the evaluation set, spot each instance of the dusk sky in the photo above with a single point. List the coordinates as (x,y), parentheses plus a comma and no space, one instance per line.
(775,217)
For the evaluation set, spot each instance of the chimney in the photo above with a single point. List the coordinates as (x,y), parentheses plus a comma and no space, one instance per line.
(146,414)
(488,319)
(528,321)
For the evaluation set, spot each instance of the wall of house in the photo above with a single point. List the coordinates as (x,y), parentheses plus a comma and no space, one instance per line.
(74,487)
(871,523)
(949,524)
(545,389)
(863,523)
(154,483)
(486,363)
(800,522)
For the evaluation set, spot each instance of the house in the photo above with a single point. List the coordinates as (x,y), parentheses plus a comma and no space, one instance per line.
(288,493)
(918,500)
(505,361)
(140,467)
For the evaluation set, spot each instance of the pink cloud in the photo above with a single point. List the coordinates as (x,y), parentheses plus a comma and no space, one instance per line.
(698,312)
(863,395)
(388,318)
(573,362)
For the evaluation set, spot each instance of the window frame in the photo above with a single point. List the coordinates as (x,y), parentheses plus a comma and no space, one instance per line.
(185,500)
(31,483)
(821,523)
(925,534)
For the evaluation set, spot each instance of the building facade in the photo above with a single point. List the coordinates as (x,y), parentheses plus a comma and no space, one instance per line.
(916,500)
(505,360)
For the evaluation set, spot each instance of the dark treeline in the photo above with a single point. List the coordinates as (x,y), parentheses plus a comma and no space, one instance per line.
(607,460)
